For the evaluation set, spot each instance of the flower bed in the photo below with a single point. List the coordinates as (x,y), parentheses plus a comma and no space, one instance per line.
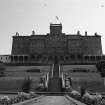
(88,99)
(5,100)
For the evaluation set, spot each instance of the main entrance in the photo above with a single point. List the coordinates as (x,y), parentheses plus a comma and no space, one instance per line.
(56,60)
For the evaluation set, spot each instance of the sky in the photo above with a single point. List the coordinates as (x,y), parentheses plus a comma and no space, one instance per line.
(23,16)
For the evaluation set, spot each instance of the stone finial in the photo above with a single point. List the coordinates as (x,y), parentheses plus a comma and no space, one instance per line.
(17,34)
(95,34)
(85,33)
(33,32)
(78,32)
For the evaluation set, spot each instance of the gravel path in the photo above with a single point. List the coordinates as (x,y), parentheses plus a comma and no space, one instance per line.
(52,100)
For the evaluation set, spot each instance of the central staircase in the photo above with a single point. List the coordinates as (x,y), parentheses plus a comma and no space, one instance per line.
(54,85)
(55,82)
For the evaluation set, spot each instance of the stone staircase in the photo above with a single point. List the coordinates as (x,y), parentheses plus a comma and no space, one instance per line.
(55,85)
(55,82)
(56,71)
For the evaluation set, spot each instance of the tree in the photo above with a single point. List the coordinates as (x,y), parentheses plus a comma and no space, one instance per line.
(2,69)
(101,68)
(82,90)
(26,85)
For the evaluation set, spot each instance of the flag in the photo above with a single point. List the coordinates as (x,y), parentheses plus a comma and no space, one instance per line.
(57,18)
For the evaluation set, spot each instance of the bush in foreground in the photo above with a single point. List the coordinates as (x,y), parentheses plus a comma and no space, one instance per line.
(26,85)
(87,98)
(5,100)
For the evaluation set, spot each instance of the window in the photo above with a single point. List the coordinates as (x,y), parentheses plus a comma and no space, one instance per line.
(72,56)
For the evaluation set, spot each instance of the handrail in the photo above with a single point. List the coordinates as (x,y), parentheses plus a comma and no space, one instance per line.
(52,70)
(63,81)
(59,71)
(47,80)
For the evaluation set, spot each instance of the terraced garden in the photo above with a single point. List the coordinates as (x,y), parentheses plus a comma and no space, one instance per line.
(91,80)
(15,77)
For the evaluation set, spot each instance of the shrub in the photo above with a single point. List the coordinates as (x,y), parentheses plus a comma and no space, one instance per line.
(101,67)
(2,69)
(82,90)
(26,85)
(5,100)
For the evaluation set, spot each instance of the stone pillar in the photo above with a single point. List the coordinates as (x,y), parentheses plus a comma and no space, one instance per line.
(17,59)
(22,58)
(13,59)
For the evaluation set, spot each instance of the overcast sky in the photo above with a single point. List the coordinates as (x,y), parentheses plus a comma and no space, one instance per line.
(25,15)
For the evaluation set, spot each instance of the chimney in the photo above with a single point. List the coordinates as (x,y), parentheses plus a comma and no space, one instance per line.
(33,32)
(78,33)
(95,33)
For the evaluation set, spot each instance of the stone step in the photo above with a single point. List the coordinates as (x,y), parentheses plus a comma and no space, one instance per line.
(54,85)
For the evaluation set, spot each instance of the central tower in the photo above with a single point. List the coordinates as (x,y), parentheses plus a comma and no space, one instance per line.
(55,29)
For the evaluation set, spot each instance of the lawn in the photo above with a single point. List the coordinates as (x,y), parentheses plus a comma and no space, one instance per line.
(15,75)
(91,81)
(14,84)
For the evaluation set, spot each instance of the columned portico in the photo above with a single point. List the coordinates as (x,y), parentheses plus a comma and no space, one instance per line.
(50,58)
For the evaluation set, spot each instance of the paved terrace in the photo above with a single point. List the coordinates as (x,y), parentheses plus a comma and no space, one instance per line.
(51,100)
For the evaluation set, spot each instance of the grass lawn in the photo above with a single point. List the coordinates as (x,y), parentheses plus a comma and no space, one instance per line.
(14,84)
(15,76)
(94,86)
(92,81)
